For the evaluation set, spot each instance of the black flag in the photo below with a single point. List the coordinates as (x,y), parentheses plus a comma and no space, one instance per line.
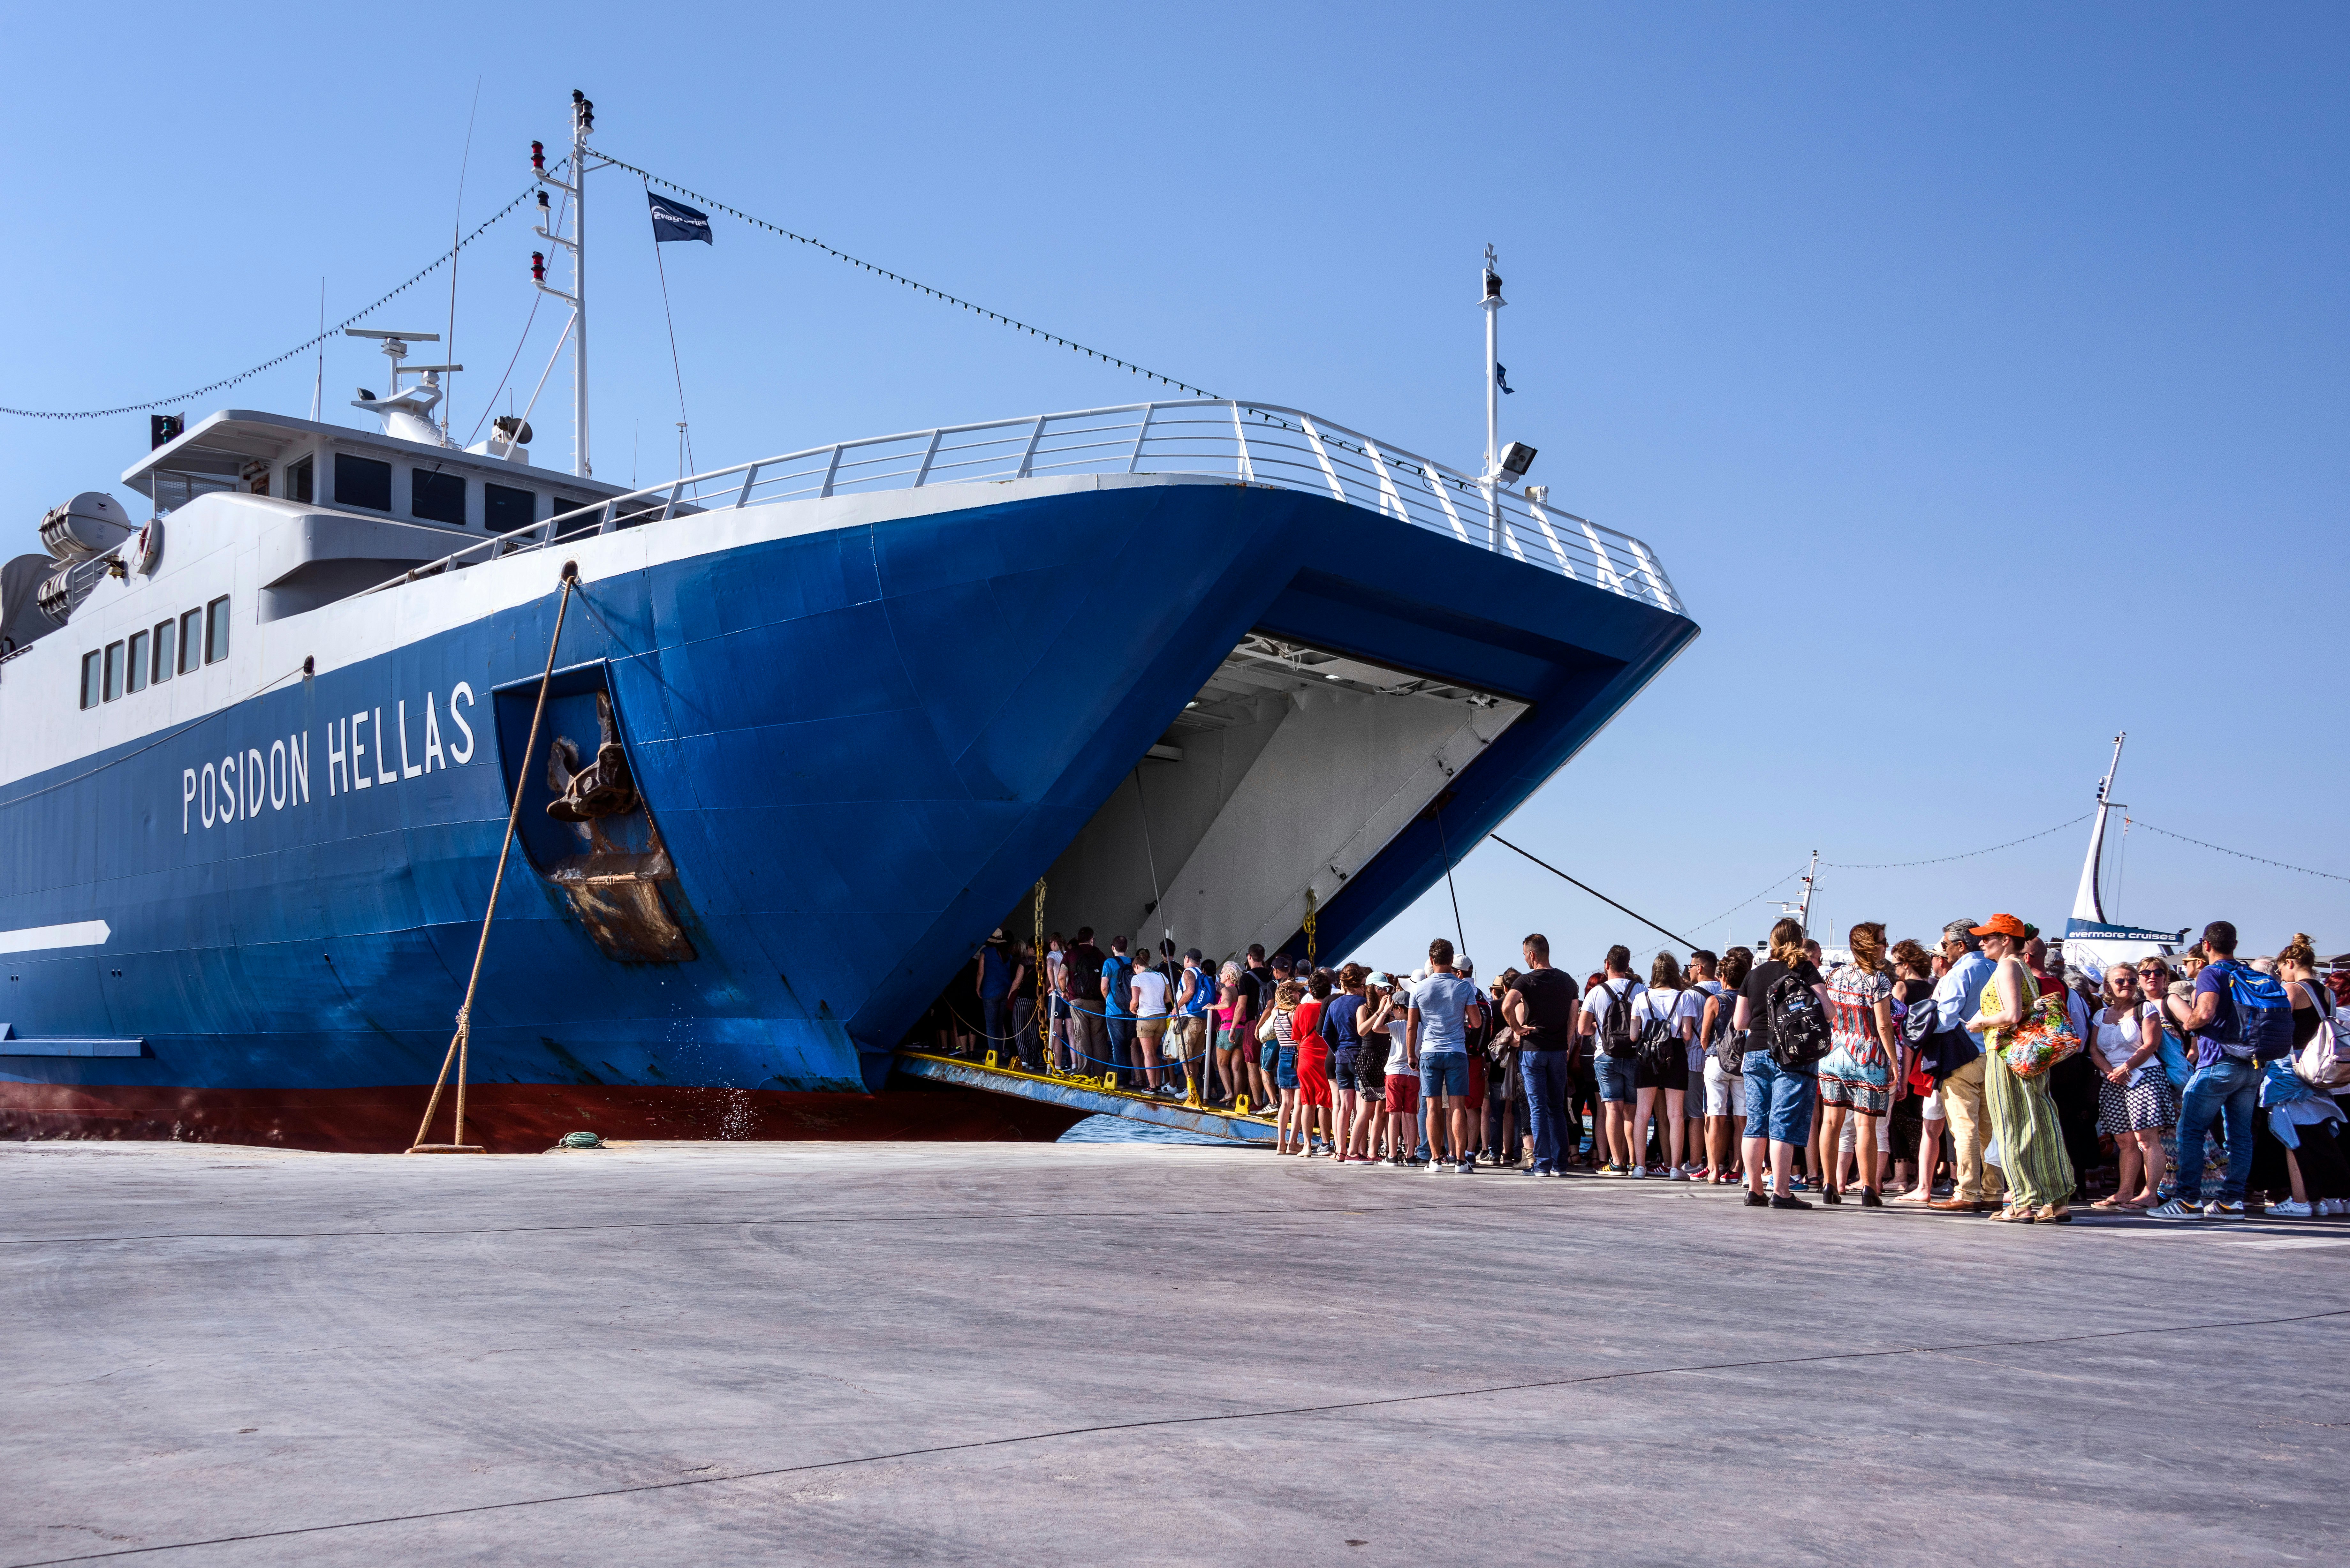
(676,221)
(1501,371)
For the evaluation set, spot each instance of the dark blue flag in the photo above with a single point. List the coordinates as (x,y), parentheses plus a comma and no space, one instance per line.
(676,221)
(1501,371)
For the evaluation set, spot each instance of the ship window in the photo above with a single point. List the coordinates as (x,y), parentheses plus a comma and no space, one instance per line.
(166,647)
(113,670)
(437,497)
(216,631)
(135,672)
(89,687)
(191,640)
(301,482)
(362,482)
(506,509)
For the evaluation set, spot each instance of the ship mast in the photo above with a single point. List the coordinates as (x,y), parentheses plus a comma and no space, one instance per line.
(2086,904)
(582,121)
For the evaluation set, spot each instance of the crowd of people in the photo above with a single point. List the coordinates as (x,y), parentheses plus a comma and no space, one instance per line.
(1967,1077)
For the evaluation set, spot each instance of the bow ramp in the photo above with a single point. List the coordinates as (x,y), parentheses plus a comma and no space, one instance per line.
(1088,1096)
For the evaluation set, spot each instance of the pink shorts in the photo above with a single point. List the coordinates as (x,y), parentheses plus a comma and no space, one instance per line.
(1403,1092)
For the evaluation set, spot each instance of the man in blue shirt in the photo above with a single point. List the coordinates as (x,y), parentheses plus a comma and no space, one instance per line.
(1117,1012)
(1444,1008)
(2225,1081)
(1957,996)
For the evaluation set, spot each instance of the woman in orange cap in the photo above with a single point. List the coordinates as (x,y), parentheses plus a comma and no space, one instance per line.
(2022,1117)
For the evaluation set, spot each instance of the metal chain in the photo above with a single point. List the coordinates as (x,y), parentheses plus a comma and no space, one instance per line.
(1309,928)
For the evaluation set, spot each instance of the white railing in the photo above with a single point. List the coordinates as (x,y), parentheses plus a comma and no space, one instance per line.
(1257,443)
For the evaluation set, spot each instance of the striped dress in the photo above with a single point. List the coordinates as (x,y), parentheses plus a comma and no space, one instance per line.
(2022,1117)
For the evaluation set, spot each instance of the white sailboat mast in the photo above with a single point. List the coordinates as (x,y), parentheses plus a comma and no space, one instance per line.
(2086,904)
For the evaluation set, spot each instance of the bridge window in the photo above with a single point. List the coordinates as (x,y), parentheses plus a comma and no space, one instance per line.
(191,640)
(89,679)
(506,509)
(437,497)
(301,480)
(362,482)
(135,674)
(166,651)
(216,631)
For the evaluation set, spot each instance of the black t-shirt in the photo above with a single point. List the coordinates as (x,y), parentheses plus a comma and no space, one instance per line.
(1255,987)
(1550,999)
(1757,992)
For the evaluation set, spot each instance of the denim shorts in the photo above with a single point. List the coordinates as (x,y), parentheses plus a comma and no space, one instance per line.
(1615,1074)
(1444,1072)
(1778,1099)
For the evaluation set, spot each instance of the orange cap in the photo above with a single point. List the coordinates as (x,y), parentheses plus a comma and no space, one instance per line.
(1999,925)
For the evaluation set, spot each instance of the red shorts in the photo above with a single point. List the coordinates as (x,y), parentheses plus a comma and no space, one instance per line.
(1477,1078)
(1403,1092)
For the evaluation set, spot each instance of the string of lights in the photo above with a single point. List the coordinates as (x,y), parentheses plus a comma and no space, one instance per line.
(938,294)
(296,352)
(2136,821)
(1969,854)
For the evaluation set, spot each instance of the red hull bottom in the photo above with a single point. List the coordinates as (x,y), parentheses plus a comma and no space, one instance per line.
(517,1118)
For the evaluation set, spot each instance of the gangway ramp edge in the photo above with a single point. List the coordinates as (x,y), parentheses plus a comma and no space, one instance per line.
(1094,1097)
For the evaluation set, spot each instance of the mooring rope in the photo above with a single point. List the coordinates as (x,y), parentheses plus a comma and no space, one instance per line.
(460,1043)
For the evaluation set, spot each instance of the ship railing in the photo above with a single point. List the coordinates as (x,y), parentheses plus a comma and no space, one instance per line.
(1245,442)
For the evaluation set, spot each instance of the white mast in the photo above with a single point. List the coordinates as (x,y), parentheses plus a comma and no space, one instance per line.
(2086,905)
(582,121)
(1493,304)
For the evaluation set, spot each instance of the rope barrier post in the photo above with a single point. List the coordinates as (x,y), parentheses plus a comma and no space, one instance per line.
(460,1044)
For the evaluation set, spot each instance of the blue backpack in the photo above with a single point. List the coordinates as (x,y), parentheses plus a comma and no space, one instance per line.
(2263,1012)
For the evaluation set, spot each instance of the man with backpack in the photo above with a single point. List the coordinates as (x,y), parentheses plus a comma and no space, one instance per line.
(1089,1036)
(2239,1019)
(1784,1009)
(1607,1023)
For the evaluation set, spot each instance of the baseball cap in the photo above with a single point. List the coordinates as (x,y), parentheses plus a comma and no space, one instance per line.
(1998,926)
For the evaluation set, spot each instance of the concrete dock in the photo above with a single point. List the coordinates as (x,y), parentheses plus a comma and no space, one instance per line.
(1087,1354)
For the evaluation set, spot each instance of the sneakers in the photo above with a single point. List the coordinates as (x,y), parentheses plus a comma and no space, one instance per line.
(2176,1209)
(2335,1208)
(1757,1200)
(1548,1174)
(1434,1167)
(1466,1168)
(1639,1173)
(2215,1210)
(1788,1203)
(1613,1170)
(2292,1208)
(1677,1174)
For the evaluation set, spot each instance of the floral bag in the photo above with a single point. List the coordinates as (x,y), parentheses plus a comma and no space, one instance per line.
(2044,1038)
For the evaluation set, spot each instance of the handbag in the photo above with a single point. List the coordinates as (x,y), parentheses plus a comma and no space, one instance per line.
(1265,1027)
(2040,1042)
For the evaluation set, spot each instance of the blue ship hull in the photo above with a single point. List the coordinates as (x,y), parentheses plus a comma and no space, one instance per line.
(858,749)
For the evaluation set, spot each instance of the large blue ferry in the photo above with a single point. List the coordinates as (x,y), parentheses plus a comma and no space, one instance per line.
(1215,668)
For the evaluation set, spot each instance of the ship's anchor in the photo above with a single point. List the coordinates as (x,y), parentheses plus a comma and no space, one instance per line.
(458,1042)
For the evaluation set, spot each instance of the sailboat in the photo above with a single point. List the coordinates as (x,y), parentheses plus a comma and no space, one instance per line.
(2091,941)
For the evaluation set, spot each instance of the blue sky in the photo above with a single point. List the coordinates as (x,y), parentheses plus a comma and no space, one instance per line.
(1976,371)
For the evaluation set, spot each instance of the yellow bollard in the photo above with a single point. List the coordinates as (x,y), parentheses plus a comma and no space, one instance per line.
(991,1060)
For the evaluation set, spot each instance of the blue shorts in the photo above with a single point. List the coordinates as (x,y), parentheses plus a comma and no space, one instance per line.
(1285,1073)
(1268,1051)
(1444,1072)
(1615,1074)
(1778,1099)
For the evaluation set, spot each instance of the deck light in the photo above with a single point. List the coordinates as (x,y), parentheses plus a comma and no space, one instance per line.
(538,267)
(1516,458)
(539,163)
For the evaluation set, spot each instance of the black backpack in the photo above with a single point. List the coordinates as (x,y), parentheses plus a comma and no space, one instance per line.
(1728,1044)
(1661,1050)
(1617,1035)
(1085,967)
(1799,1024)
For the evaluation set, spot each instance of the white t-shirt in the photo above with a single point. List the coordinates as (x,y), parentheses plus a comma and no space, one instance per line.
(1596,1002)
(1150,993)
(1658,1003)
(1396,1027)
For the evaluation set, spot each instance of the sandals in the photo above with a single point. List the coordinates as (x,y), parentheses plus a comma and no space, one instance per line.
(2110,1203)
(2012,1215)
(2060,1215)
